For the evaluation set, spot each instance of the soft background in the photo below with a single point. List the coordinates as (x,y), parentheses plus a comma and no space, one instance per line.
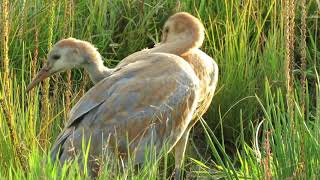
(264,119)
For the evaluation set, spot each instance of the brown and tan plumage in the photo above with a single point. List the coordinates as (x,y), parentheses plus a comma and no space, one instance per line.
(183,35)
(136,102)
(204,66)
(137,98)
(185,26)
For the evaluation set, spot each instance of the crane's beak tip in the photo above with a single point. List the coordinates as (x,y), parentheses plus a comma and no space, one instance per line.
(42,74)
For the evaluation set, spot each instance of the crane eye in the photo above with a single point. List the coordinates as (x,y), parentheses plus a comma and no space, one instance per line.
(56,56)
(166,30)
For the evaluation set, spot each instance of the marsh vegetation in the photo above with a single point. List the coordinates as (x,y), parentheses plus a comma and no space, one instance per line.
(264,120)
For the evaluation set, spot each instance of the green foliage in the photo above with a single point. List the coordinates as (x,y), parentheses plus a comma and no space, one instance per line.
(247,40)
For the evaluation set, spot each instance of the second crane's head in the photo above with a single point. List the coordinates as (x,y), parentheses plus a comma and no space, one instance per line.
(67,54)
(183,27)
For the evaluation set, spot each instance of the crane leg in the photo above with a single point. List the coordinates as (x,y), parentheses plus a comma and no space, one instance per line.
(179,151)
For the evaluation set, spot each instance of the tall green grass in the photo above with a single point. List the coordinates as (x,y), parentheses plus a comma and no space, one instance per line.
(246,134)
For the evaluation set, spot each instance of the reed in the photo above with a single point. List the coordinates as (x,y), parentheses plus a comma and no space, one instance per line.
(34,65)
(289,56)
(5,40)
(6,101)
(303,68)
(265,116)
(46,112)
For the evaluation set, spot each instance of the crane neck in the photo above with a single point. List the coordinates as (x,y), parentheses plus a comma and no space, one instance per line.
(177,47)
(182,43)
(97,71)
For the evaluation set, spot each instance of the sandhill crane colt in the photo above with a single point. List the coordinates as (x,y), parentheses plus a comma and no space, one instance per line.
(183,35)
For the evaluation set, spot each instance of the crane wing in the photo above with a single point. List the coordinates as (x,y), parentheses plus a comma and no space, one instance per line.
(150,100)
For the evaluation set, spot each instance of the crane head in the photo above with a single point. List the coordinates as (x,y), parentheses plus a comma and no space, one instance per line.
(64,55)
(183,25)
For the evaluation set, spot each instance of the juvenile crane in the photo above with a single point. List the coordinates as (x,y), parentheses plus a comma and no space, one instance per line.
(185,26)
(182,35)
(137,102)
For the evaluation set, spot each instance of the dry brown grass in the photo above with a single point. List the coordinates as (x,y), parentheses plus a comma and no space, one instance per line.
(289,55)
(303,47)
(5,40)
(33,74)
(46,114)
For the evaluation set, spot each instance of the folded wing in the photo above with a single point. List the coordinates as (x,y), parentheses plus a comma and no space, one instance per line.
(148,102)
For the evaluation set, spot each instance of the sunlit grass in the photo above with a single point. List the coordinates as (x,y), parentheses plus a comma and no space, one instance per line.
(249,110)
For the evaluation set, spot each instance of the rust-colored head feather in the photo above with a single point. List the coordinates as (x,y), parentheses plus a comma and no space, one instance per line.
(72,53)
(184,25)
(83,47)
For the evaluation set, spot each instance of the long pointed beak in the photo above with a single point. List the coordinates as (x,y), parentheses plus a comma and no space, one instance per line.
(42,74)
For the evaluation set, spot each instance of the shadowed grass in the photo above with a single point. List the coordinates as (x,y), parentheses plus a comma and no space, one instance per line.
(246,133)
